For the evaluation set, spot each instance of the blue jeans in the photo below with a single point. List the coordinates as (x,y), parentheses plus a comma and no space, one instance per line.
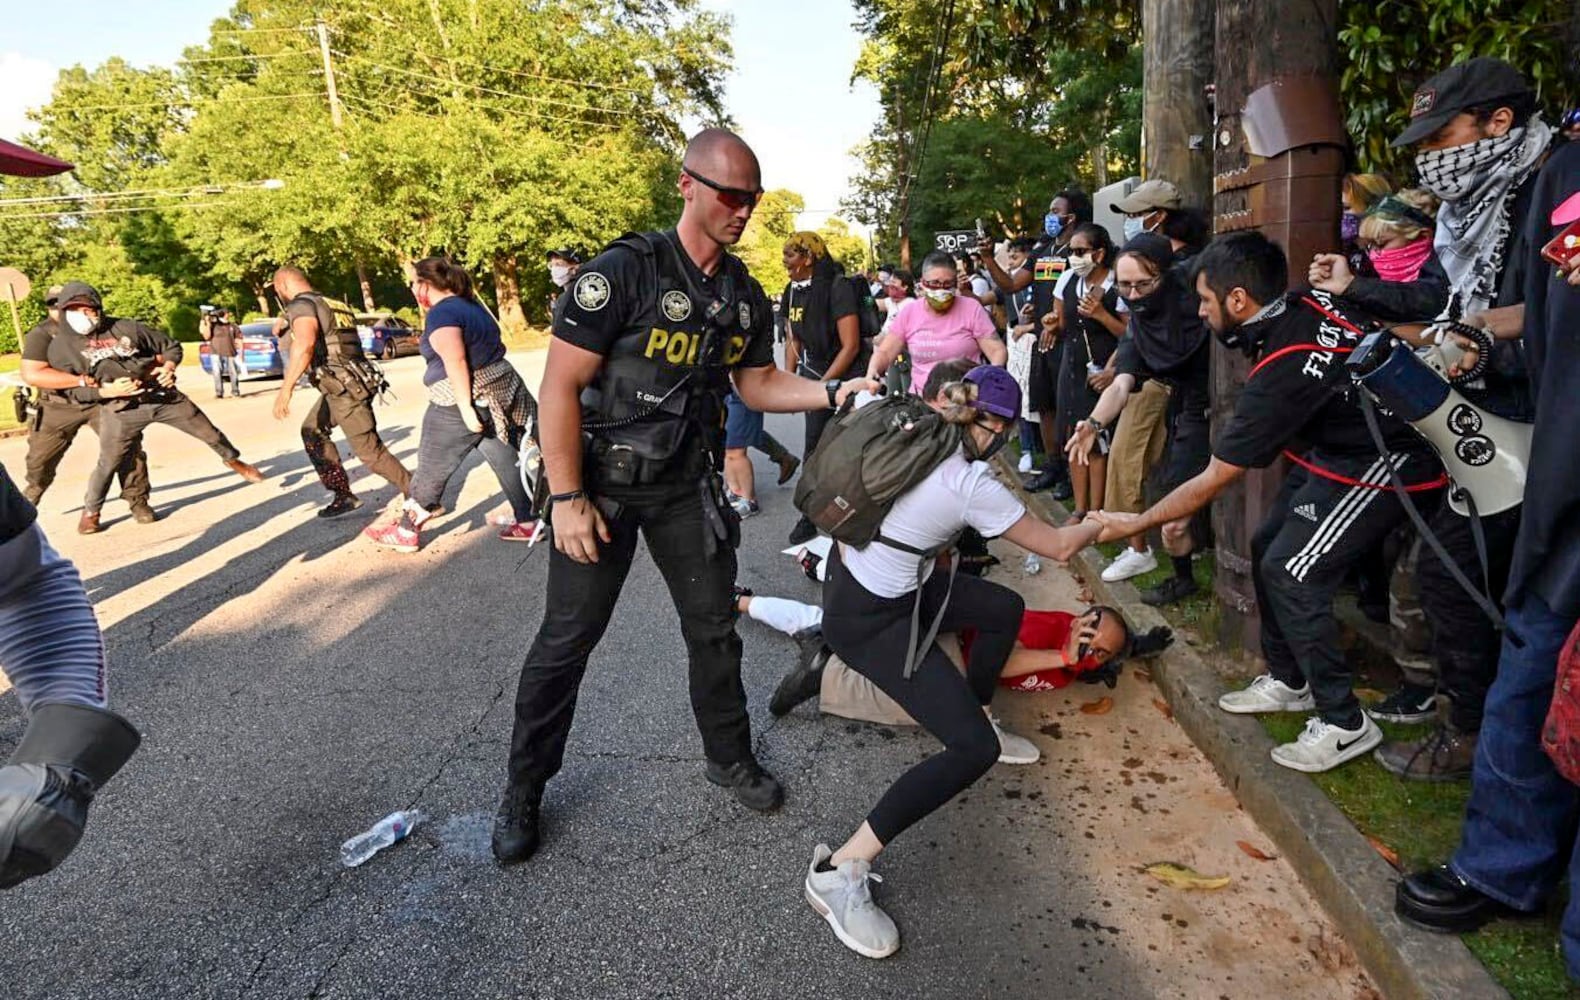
(224,366)
(1519,832)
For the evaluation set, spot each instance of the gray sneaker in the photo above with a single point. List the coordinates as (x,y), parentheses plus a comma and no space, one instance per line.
(844,899)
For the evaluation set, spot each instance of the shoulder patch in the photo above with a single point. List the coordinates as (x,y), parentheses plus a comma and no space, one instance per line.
(1423,102)
(677,305)
(746,315)
(592,291)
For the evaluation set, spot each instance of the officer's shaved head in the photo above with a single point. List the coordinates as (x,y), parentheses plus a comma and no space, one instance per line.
(716,151)
(289,281)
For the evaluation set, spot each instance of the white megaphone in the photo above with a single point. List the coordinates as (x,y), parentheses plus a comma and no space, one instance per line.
(1486,455)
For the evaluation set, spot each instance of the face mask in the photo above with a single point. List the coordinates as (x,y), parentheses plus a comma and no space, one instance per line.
(560,274)
(1082,264)
(981,453)
(939,299)
(80,321)
(1133,227)
(1402,263)
(1150,304)
(1349,227)
(1052,225)
(1451,173)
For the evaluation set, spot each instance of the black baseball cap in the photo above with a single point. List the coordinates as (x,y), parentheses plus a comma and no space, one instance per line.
(567,253)
(1474,83)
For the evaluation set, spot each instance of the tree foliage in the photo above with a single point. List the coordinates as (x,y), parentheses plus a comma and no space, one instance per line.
(487,131)
(1391,46)
(990,107)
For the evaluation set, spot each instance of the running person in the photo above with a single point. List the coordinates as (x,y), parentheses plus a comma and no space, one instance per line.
(476,399)
(325,347)
(870,596)
(52,651)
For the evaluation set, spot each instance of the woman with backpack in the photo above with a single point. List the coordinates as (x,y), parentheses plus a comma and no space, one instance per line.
(873,598)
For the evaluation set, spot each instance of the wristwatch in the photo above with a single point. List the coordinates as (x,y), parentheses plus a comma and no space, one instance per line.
(1097,425)
(832,388)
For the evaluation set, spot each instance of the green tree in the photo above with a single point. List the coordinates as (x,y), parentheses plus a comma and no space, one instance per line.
(1390,46)
(763,241)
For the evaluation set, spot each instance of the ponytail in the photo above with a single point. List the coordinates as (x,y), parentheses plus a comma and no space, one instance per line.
(958,399)
(445,275)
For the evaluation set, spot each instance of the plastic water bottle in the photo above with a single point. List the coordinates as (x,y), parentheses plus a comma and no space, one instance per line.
(1033,564)
(392,828)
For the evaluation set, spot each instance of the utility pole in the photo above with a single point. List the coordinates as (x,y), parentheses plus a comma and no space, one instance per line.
(338,120)
(329,73)
(1278,144)
(1176,121)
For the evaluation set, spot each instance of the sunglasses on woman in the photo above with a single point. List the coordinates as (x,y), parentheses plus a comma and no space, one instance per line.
(939,286)
(731,198)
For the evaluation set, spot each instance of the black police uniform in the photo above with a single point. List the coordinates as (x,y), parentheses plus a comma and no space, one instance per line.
(347,384)
(1336,504)
(653,434)
(54,425)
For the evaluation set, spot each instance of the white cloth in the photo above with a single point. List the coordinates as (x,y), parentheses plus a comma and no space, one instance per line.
(785,615)
(1019,365)
(956,494)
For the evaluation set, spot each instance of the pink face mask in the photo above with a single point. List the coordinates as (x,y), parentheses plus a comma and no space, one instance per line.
(1402,263)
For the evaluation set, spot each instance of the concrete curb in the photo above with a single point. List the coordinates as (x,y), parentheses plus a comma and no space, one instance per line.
(1353,884)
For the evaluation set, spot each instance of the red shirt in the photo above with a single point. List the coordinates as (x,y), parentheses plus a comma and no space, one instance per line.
(1040,630)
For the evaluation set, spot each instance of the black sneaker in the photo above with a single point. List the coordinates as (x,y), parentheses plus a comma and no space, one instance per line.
(1062,490)
(1041,481)
(1175,588)
(344,504)
(806,679)
(1411,703)
(755,787)
(803,532)
(516,825)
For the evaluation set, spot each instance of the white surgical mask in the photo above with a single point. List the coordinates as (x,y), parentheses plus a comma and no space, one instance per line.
(80,321)
(560,274)
(1082,264)
(1133,227)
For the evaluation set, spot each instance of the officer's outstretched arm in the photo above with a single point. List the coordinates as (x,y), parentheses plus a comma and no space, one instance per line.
(767,389)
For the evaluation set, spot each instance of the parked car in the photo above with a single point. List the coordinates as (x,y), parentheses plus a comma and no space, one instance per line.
(386,336)
(260,351)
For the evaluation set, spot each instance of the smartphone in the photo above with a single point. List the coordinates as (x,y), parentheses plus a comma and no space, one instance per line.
(1564,247)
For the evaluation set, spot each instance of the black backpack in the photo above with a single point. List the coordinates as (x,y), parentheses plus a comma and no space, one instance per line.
(867,459)
(866,308)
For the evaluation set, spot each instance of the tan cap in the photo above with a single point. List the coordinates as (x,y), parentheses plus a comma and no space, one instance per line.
(53,294)
(1149,196)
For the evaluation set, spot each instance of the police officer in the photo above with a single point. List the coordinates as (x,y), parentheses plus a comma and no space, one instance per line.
(58,417)
(130,369)
(324,343)
(51,650)
(646,344)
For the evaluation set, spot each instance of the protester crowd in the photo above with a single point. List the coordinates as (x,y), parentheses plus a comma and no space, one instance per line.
(1093,349)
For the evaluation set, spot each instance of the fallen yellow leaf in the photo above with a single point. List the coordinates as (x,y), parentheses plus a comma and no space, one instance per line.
(1181,877)
(1099,707)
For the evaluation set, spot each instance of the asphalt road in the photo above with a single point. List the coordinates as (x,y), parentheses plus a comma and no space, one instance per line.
(294,684)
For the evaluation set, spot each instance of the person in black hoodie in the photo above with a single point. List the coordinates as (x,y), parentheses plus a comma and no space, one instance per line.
(1335,505)
(823,332)
(1518,839)
(132,369)
(1166,341)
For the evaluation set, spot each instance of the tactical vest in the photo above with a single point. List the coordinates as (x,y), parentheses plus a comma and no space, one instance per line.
(338,341)
(663,382)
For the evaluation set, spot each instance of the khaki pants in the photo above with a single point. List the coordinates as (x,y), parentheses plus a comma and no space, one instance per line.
(1139,439)
(849,695)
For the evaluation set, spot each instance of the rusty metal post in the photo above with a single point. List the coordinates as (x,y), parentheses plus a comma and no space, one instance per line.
(1278,160)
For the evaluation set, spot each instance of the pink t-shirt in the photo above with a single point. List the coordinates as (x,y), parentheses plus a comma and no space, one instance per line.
(931,337)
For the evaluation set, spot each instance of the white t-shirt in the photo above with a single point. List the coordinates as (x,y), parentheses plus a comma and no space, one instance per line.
(959,492)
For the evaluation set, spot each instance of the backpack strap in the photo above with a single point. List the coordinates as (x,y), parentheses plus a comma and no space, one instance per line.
(914,650)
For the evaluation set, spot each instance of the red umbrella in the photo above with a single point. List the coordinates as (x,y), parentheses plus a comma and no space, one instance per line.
(23,162)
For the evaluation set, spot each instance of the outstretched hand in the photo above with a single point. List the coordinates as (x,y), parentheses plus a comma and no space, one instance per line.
(1078,449)
(1116,524)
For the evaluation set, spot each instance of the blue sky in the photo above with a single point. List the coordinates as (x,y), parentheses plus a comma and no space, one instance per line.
(805,45)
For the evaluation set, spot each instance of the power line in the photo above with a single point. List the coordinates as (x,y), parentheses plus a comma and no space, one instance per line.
(926,124)
(486,90)
(177,104)
(251,56)
(110,211)
(554,79)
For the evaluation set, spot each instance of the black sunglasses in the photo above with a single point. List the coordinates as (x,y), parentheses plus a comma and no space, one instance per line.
(733,198)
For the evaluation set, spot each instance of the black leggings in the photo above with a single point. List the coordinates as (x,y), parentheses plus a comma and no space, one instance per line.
(870,634)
